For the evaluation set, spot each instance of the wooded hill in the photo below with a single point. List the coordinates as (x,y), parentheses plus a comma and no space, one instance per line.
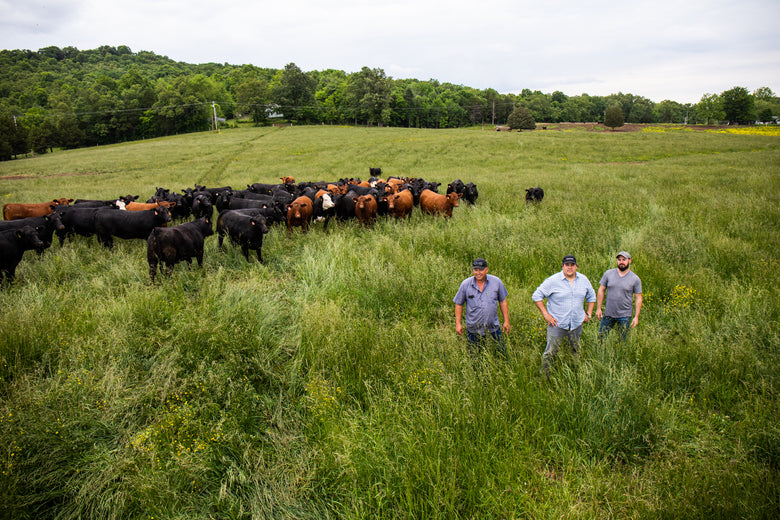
(71,98)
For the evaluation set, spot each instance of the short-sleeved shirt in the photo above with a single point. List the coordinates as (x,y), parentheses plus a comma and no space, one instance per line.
(564,299)
(620,292)
(481,307)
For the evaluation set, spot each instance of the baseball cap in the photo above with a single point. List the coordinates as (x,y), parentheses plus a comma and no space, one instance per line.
(479,263)
(624,254)
(569,259)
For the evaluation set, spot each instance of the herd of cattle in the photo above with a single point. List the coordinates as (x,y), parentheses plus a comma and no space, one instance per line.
(242,215)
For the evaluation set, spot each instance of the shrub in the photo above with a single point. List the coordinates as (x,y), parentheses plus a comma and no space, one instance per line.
(613,117)
(521,119)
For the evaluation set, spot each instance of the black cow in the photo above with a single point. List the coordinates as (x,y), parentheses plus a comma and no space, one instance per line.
(127,225)
(236,203)
(44,226)
(261,188)
(213,191)
(13,244)
(79,221)
(178,243)
(92,203)
(345,205)
(534,195)
(243,229)
(470,193)
(202,206)
(456,186)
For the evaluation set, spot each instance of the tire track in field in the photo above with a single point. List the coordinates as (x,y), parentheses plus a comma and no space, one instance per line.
(214,175)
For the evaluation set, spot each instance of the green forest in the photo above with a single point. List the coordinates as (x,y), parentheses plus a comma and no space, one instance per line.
(70,98)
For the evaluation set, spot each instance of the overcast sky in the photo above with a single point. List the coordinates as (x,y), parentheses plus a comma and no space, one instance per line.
(660,49)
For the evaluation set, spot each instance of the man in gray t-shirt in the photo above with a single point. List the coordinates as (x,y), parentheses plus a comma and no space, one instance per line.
(622,288)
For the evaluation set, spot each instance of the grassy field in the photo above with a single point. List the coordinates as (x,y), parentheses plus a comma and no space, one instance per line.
(329,381)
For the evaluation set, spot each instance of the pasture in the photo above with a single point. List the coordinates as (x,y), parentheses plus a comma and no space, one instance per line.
(328,382)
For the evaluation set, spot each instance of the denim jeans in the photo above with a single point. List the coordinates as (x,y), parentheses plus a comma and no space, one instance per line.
(608,322)
(477,342)
(556,336)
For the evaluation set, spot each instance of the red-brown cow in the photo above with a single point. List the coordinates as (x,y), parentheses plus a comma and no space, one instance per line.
(400,204)
(436,204)
(15,210)
(143,206)
(299,213)
(365,209)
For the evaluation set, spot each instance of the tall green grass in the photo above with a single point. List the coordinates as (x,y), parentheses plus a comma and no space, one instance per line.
(329,382)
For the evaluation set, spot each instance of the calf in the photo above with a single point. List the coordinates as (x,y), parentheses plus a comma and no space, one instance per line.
(534,195)
(299,213)
(243,229)
(127,225)
(400,204)
(15,210)
(175,244)
(365,209)
(435,204)
(13,244)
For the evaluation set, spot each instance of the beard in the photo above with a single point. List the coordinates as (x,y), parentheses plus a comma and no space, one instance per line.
(622,267)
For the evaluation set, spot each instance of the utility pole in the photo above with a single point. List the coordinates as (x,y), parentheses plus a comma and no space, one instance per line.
(214,109)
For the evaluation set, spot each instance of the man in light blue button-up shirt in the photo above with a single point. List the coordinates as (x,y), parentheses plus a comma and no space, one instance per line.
(565,291)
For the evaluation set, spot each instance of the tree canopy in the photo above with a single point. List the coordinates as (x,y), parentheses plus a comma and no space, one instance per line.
(65,97)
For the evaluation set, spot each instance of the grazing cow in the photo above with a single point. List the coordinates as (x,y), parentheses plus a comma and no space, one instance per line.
(299,213)
(365,209)
(13,244)
(144,206)
(15,210)
(128,225)
(436,204)
(470,193)
(44,227)
(534,195)
(374,172)
(400,204)
(287,180)
(178,243)
(244,230)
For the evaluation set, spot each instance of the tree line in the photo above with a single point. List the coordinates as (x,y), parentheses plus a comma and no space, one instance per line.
(69,98)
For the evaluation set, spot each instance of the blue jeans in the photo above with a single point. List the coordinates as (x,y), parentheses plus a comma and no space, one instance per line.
(477,342)
(608,322)
(556,336)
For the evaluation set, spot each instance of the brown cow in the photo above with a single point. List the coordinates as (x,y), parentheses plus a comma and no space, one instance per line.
(299,213)
(143,206)
(400,204)
(365,209)
(395,184)
(436,204)
(337,189)
(287,180)
(14,210)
